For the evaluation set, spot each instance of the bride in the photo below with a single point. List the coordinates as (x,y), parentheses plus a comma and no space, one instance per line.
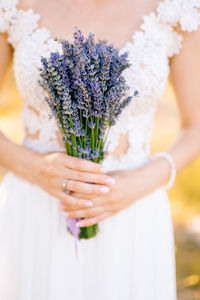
(132,256)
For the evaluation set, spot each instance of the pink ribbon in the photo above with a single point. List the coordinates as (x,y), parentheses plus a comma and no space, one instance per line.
(71,222)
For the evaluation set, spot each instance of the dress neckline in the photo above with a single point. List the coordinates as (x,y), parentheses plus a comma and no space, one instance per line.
(121,49)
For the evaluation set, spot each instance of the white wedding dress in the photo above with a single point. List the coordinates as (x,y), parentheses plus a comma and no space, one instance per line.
(132,257)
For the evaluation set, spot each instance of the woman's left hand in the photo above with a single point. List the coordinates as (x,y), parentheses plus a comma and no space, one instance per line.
(125,191)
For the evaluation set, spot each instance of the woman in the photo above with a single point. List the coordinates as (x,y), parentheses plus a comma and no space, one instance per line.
(132,257)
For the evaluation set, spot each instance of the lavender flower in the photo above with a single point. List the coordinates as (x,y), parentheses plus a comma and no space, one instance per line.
(86,93)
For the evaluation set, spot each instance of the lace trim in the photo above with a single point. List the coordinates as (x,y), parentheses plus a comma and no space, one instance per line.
(8,11)
(169,13)
(183,12)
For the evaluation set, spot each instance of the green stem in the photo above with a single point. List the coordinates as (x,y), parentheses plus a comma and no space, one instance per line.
(81,118)
(73,137)
(100,142)
(97,131)
(86,129)
(67,146)
(92,139)
(74,145)
(80,141)
(81,121)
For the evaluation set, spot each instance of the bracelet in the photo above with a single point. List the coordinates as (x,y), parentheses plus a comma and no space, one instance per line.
(173,168)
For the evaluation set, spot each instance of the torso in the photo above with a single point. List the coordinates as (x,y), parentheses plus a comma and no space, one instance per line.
(150,42)
(99,17)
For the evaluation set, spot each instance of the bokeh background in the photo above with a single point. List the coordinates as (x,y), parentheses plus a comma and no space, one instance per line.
(184,196)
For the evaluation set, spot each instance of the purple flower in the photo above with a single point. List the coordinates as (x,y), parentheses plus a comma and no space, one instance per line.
(86,92)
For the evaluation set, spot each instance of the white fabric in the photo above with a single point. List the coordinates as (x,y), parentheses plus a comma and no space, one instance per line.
(132,257)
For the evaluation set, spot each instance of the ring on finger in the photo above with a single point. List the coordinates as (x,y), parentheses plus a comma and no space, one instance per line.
(64,186)
(67,191)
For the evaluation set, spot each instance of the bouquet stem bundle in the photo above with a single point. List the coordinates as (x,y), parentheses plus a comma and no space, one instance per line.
(86,94)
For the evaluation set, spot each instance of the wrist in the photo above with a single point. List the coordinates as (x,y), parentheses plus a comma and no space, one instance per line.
(18,158)
(169,158)
(29,162)
(157,173)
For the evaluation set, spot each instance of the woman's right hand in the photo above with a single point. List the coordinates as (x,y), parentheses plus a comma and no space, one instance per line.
(52,170)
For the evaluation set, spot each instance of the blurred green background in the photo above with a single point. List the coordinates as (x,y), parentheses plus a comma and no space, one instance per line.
(184,196)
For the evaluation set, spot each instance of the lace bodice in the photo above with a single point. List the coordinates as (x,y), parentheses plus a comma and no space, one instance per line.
(149,53)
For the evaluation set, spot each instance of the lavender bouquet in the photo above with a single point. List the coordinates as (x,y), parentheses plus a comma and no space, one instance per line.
(86,94)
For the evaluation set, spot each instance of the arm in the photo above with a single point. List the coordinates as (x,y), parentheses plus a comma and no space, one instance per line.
(185,70)
(12,156)
(5,57)
(132,185)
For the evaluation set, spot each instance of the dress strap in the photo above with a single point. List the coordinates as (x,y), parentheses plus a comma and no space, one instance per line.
(17,23)
(183,13)
(170,16)
(8,12)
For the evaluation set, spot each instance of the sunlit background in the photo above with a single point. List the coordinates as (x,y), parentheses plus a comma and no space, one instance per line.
(184,197)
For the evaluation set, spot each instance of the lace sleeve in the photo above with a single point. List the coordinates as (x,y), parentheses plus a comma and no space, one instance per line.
(8,12)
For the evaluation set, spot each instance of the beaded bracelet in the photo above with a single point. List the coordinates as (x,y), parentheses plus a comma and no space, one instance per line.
(173,168)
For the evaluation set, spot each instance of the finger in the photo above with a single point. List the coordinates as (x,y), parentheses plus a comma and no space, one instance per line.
(84,213)
(104,200)
(86,176)
(70,202)
(82,196)
(82,165)
(94,220)
(86,188)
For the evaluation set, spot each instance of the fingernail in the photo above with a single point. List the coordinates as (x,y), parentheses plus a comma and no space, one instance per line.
(88,203)
(110,180)
(104,190)
(103,170)
(65,214)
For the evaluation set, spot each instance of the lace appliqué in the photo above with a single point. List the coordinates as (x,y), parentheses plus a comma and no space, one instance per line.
(7,12)
(183,12)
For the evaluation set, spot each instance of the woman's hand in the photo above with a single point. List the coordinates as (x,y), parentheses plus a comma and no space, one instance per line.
(52,169)
(130,186)
(55,169)
(126,190)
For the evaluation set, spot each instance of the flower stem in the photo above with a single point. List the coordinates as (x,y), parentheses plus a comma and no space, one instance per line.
(73,137)
(86,129)
(97,131)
